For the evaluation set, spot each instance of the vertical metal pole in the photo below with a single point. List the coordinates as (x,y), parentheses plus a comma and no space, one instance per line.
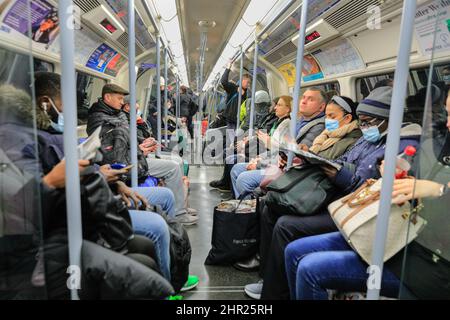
(298,76)
(241,73)
(255,74)
(158,91)
(68,87)
(132,81)
(392,146)
(177,107)
(166,93)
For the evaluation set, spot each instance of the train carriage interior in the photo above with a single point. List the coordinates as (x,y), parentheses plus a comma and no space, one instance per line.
(218,144)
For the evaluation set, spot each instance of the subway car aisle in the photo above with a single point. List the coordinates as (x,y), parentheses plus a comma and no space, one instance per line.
(216,283)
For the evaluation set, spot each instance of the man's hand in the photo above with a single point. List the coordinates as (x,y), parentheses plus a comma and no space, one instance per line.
(408,189)
(128,195)
(230,64)
(111,175)
(329,171)
(57,177)
(146,150)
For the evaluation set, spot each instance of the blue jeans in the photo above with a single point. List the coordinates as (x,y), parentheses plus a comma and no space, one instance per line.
(154,227)
(245,181)
(163,197)
(322,262)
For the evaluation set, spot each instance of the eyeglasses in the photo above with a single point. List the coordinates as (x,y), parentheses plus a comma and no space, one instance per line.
(366,124)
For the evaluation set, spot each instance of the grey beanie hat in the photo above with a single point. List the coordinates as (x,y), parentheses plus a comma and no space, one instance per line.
(377,104)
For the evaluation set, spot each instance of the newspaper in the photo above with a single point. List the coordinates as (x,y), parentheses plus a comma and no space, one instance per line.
(308,156)
(88,149)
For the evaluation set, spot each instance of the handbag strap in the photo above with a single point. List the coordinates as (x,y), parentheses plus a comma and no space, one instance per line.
(352,196)
(359,209)
(241,199)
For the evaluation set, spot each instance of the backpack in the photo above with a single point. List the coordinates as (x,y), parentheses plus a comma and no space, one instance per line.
(180,251)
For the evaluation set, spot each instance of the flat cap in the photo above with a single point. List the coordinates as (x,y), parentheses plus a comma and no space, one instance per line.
(113,88)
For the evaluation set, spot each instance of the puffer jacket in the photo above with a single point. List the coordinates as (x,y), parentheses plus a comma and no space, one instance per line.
(105,274)
(115,136)
(361,162)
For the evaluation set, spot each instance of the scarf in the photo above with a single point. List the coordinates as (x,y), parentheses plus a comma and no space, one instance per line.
(328,139)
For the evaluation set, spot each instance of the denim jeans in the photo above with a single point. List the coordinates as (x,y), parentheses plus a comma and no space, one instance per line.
(172,174)
(154,227)
(243,180)
(322,262)
(163,197)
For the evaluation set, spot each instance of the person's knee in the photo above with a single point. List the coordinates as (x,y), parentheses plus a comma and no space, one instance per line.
(160,227)
(244,183)
(309,266)
(290,254)
(166,194)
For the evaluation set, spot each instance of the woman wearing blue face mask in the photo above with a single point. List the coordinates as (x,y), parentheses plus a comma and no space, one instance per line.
(341,129)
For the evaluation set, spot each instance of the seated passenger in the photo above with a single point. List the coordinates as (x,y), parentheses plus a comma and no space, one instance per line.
(323,262)
(244,176)
(359,164)
(107,112)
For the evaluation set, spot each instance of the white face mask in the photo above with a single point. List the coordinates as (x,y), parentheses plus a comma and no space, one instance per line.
(59,126)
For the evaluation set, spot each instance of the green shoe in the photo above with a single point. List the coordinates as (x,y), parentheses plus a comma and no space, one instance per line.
(175,298)
(190,284)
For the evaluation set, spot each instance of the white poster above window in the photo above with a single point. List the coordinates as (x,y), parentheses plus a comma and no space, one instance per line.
(432,27)
(339,57)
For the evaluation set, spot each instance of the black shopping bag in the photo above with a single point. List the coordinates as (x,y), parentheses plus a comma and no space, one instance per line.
(235,234)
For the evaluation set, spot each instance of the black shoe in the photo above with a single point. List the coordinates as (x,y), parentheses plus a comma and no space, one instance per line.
(248,265)
(220,185)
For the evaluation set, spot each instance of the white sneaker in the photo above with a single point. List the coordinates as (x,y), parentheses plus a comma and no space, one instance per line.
(187,219)
(254,290)
(192,211)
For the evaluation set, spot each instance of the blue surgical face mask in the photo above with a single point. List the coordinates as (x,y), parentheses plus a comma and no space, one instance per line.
(331,124)
(59,127)
(372,134)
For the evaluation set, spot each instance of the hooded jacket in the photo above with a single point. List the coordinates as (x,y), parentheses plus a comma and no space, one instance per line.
(361,162)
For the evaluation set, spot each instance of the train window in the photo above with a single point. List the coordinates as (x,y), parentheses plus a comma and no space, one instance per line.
(15,69)
(41,65)
(89,88)
(417,91)
(418,79)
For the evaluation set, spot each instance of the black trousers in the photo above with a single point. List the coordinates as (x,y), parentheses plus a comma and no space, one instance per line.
(276,233)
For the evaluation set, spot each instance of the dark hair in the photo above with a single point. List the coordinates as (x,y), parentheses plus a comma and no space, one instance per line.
(47,84)
(323,94)
(353,106)
(246,76)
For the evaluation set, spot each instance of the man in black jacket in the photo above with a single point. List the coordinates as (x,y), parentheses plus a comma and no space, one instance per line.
(108,113)
(232,90)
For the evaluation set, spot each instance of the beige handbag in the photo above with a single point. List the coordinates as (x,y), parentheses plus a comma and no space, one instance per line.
(356,217)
